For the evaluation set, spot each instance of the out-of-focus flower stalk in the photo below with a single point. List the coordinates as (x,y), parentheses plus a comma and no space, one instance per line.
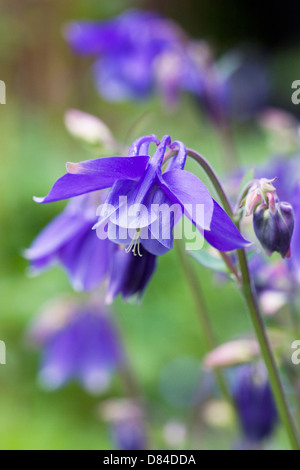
(256,317)
(203,315)
(129,379)
(225,133)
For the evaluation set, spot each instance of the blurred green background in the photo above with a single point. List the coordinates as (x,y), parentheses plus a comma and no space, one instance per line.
(43,80)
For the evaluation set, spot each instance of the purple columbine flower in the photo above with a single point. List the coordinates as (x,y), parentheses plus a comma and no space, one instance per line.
(79,342)
(88,260)
(70,241)
(255,403)
(140,52)
(140,189)
(126,47)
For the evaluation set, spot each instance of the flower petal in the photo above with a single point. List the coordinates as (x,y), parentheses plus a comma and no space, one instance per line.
(56,234)
(157,247)
(86,260)
(158,238)
(87,37)
(92,175)
(223,234)
(129,274)
(190,193)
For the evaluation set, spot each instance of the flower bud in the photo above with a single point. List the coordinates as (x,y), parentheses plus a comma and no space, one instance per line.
(261,191)
(273,226)
(90,129)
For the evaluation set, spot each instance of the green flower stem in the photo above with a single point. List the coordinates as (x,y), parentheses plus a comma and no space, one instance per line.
(255,314)
(203,315)
(267,351)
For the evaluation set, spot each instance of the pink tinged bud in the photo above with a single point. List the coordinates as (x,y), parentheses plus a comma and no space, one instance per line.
(271,202)
(232,353)
(253,199)
(89,129)
(261,192)
(272,301)
(267,185)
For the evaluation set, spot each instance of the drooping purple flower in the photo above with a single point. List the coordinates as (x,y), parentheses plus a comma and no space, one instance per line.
(79,342)
(126,48)
(255,403)
(70,241)
(140,190)
(140,52)
(88,260)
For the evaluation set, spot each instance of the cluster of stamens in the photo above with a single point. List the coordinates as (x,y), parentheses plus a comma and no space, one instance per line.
(135,244)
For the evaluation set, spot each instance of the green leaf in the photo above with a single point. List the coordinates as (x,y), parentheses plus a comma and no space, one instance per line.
(204,258)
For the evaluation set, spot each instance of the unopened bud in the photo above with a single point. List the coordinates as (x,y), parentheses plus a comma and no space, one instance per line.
(90,129)
(274,226)
(262,191)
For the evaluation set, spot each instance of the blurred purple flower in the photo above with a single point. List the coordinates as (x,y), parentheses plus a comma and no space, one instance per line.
(78,343)
(140,52)
(274,283)
(140,181)
(254,401)
(70,240)
(126,47)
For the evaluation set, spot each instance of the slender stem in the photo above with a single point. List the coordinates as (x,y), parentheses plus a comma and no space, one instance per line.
(255,314)
(213,178)
(230,265)
(267,351)
(204,318)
